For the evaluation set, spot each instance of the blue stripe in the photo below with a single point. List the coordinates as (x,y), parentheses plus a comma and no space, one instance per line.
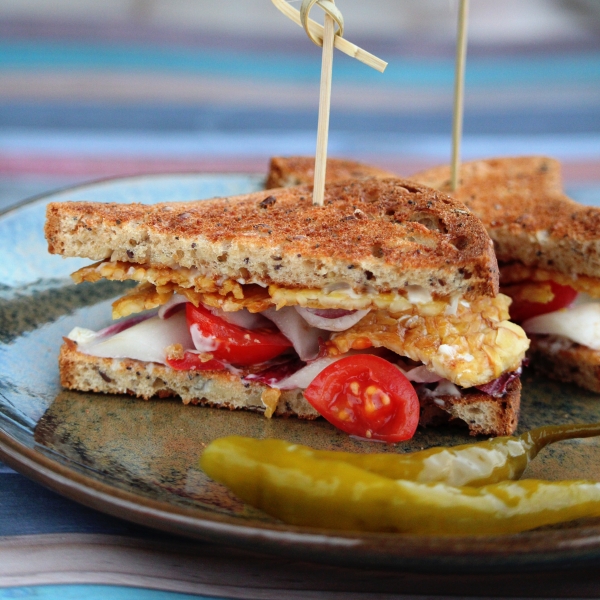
(352,144)
(177,118)
(27,508)
(578,68)
(93,592)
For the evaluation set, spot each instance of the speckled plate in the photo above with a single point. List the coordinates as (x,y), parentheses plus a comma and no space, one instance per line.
(139,460)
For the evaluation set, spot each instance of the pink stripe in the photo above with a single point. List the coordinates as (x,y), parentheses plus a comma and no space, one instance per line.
(10,164)
(109,166)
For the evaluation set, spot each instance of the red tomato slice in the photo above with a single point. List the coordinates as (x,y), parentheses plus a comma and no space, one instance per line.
(367,396)
(192,362)
(234,344)
(521,310)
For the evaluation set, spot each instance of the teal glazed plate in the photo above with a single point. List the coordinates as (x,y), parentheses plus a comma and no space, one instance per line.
(138,460)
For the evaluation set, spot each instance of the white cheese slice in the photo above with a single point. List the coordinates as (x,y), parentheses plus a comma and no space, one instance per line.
(146,341)
(580,324)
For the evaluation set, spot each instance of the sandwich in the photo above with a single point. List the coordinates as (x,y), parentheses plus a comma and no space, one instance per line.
(548,248)
(546,244)
(245,302)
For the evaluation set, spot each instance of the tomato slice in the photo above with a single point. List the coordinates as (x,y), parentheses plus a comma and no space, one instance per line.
(235,344)
(521,310)
(367,396)
(191,362)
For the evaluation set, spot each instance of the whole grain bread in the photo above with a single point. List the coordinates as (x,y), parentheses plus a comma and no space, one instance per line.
(480,412)
(380,234)
(287,171)
(520,201)
(524,209)
(566,361)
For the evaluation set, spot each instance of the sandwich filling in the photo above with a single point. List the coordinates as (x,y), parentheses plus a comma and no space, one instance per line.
(288,335)
(549,303)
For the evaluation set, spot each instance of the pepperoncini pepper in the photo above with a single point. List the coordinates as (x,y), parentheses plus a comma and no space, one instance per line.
(482,463)
(385,492)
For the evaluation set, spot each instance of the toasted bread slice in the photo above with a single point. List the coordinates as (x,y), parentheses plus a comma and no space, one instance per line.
(522,205)
(380,234)
(481,413)
(563,360)
(299,170)
(520,201)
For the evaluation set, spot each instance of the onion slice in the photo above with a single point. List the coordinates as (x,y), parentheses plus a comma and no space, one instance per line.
(303,378)
(304,338)
(315,319)
(580,324)
(146,340)
(173,304)
(420,374)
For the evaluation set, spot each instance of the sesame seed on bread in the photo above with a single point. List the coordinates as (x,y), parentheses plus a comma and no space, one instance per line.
(480,412)
(386,234)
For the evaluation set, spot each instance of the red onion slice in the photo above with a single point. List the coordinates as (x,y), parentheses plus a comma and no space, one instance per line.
(146,340)
(174,303)
(304,338)
(330,313)
(498,387)
(302,378)
(331,323)
(83,335)
(420,374)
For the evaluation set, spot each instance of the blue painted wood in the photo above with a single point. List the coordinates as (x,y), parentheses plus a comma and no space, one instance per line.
(27,508)
(101,117)
(494,72)
(93,592)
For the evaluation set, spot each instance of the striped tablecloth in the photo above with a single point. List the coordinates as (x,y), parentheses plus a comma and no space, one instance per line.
(144,86)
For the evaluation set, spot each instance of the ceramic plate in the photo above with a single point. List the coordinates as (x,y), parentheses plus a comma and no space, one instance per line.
(139,460)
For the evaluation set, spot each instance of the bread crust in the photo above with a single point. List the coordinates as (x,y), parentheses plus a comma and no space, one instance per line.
(566,361)
(480,412)
(520,201)
(522,205)
(382,234)
(287,171)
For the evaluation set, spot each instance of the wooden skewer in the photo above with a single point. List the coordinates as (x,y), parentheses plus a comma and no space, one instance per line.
(316,31)
(459,85)
(324,106)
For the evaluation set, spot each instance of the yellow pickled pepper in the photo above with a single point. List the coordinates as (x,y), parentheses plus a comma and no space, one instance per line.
(364,492)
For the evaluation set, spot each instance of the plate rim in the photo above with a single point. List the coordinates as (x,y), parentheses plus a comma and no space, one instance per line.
(108,179)
(465,554)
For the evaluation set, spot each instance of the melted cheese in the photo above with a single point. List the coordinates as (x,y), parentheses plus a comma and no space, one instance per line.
(519,273)
(472,347)
(467,343)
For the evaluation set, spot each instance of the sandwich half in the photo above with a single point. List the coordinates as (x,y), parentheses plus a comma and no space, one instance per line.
(257,294)
(548,247)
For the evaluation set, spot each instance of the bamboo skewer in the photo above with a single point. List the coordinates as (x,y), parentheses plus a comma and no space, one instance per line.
(459,86)
(315,32)
(328,38)
(324,106)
